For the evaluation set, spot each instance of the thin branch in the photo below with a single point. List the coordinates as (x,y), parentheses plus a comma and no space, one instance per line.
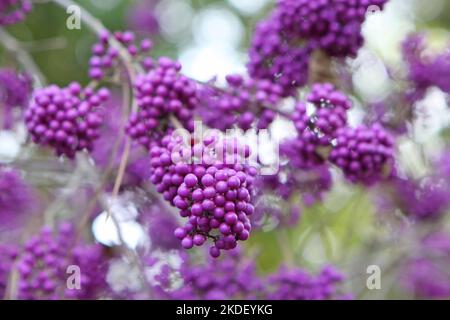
(96,26)
(21,55)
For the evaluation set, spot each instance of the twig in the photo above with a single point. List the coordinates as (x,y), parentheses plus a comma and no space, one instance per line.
(22,56)
(96,26)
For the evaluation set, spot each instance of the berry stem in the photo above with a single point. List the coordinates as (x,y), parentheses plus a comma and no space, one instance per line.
(96,26)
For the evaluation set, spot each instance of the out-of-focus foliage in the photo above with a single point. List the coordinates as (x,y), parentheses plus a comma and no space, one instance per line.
(336,230)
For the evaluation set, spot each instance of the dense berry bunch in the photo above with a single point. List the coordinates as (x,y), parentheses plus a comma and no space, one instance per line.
(160,225)
(235,277)
(425,70)
(330,25)
(13,11)
(213,192)
(229,278)
(105,57)
(317,130)
(16,198)
(365,154)
(161,92)
(240,103)
(273,58)
(42,266)
(15,92)
(282,44)
(420,199)
(66,119)
(425,275)
(142,17)
(423,199)
(296,284)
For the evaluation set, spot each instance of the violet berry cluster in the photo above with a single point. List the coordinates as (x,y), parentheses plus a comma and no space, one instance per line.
(161,92)
(14,11)
(317,130)
(43,261)
(230,278)
(420,199)
(105,57)
(425,273)
(66,119)
(329,25)
(16,198)
(296,284)
(15,91)
(425,70)
(213,194)
(282,44)
(241,103)
(273,58)
(365,154)
(235,277)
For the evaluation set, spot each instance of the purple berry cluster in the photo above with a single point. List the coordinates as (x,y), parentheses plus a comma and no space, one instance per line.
(424,199)
(105,60)
(234,276)
(425,274)
(14,11)
(142,17)
(329,25)
(317,131)
(240,103)
(273,58)
(43,261)
(16,198)
(214,194)
(160,225)
(297,284)
(161,92)
(66,119)
(425,70)
(229,278)
(15,90)
(365,154)
(282,44)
